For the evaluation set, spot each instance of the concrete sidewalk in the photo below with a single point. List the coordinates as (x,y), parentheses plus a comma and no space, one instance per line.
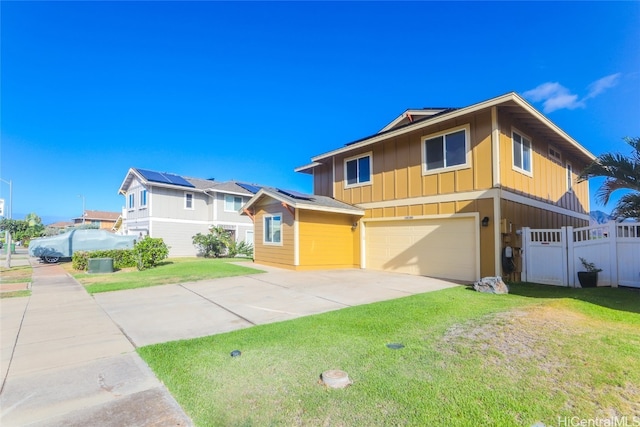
(65,363)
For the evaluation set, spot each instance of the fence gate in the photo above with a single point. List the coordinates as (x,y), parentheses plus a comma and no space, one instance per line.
(552,257)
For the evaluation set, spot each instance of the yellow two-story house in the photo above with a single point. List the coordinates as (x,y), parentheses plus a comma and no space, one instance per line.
(437,192)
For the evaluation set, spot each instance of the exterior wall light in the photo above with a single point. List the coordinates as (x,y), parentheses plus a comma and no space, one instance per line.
(485,221)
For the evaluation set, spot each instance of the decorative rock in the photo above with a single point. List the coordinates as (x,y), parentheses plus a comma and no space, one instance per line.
(491,285)
(335,378)
(236,353)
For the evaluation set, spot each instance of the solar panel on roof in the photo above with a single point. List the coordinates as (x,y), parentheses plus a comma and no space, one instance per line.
(251,188)
(295,194)
(164,178)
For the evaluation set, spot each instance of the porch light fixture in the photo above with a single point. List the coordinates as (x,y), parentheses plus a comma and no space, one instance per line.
(485,221)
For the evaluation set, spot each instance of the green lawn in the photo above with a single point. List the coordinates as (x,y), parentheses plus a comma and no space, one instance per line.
(469,359)
(177,270)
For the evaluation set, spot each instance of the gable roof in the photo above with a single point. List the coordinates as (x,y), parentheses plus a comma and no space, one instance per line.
(170,180)
(100,215)
(511,102)
(303,201)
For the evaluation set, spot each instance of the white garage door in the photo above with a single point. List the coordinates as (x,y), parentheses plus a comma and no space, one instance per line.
(446,248)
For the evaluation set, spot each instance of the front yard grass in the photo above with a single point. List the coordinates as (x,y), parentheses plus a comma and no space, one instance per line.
(469,359)
(176,270)
(14,281)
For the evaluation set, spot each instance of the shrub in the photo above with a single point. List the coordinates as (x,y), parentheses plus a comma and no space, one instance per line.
(241,248)
(122,258)
(213,244)
(149,252)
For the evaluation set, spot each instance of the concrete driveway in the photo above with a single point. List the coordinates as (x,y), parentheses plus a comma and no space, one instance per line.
(189,310)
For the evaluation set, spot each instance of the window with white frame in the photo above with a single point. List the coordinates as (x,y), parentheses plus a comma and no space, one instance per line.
(232,203)
(273,229)
(357,170)
(188,200)
(143,198)
(569,170)
(522,153)
(132,201)
(447,150)
(554,154)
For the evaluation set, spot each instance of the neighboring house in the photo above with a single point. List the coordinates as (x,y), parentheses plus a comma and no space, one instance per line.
(437,192)
(176,208)
(104,220)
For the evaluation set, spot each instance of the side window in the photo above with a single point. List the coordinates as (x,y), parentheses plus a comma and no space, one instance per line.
(357,170)
(273,229)
(188,200)
(132,201)
(522,153)
(232,203)
(143,198)
(569,170)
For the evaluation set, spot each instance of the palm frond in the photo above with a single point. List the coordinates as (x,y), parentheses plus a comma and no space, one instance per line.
(628,207)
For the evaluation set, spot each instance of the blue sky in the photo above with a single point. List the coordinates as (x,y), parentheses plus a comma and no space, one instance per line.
(249,91)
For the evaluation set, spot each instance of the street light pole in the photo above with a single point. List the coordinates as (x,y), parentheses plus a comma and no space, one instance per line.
(8,234)
(83,212)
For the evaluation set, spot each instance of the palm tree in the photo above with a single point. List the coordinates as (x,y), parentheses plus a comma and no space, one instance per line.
(621,172)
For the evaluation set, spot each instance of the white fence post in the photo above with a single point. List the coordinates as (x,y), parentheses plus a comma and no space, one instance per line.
(524,253)
(613,253)
(571,266)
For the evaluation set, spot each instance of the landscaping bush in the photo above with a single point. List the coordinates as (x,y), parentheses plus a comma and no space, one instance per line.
(213,244)
(122,258)
(149,252)
(239,248)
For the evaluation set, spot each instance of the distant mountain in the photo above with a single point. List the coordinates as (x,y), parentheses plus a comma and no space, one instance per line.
(599,217)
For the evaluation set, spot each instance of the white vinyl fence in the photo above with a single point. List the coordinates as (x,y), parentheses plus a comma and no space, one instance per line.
(552,257)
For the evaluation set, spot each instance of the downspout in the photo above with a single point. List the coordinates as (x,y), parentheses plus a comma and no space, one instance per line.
(497,184)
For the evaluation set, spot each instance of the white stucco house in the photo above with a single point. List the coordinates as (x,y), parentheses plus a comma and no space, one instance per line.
(176,208)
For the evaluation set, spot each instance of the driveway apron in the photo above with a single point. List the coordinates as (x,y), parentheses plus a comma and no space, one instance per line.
(65,363)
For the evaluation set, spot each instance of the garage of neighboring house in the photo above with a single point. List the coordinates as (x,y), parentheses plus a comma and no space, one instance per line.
(447,247)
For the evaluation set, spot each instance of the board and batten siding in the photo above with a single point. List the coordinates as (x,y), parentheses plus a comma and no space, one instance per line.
(271,254)
(328,240)
(548,180)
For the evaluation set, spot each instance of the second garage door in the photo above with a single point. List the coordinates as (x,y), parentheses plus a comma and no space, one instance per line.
(446,248)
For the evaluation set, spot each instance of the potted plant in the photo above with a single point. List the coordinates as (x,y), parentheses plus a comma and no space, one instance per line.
(589,277)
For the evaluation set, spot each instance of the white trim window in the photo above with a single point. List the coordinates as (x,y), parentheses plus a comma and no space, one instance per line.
(188,201)
(132,201)
(232,203)
(143,199)
(554,154)
(357,170)
(446,151)
(569,169)
(522,152)
(272,229)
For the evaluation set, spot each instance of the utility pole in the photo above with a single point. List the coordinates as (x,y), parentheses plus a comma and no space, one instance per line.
(7,239)
(83,212)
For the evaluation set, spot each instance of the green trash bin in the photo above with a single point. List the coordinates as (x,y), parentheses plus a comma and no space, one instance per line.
(13,248)
(100,265)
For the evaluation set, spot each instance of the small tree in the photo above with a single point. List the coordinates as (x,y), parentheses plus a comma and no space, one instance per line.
(214,244)
(150,252)
(620,172)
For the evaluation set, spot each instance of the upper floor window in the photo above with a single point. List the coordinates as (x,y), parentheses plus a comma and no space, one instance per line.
(569,170)
(522,153)
(132,201)
(554,154)
(447,150)
(232,203)
(273,229)
(188,200)
(357,170)
(143,198)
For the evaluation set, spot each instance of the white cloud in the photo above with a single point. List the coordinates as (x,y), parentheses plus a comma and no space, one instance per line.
(599,86)
(554,96)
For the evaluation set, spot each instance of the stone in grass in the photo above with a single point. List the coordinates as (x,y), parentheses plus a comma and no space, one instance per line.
(335,378)
(491,285)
